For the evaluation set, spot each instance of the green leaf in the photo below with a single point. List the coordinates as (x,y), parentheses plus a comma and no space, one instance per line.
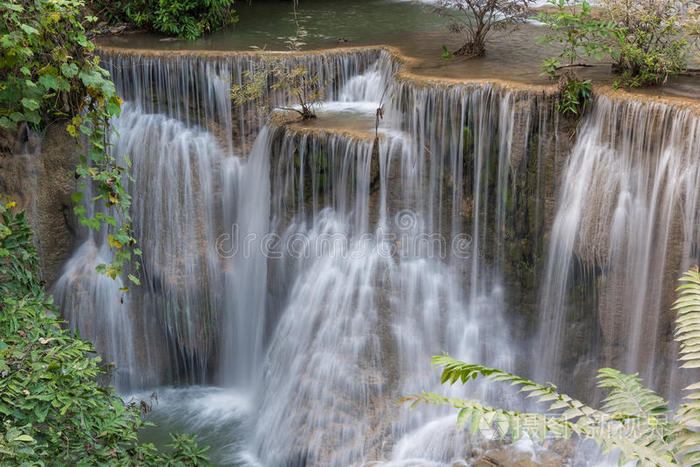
(28,29)
(69,70)
(31,104)
(48,81)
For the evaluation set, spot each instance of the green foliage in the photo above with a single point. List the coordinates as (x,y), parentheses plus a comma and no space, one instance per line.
(53,411)
(687,333)
(649,35)
(186,451)
(575,95)
(446,54)
(48,72)
(475,19)
(45,63)
(183,18)
(632,419)
(573,26)
(273,74)
(294,81)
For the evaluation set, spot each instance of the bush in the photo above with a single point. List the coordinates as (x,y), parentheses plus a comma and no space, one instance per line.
(296,82)
(573,26)
(183,18)
(53,410)
(476,18)
(48,72)
(574,95)
(651,45)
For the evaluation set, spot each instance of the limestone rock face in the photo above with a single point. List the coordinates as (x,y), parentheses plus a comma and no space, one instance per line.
(37,173)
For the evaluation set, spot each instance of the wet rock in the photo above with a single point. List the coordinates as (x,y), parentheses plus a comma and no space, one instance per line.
(38,175)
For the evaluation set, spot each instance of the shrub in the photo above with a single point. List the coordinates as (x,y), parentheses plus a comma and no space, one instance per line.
(574,94)
(183,18)
(53,410)
(581,35)
(649,35)
(48,72)
(573,26)
(297,82)
(476,18)
(632,419)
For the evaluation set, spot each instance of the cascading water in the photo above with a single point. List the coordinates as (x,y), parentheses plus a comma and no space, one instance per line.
(246,207)
(311,274)
(378,264)
(93,305)
(177,128)
(627,219)
(173,315)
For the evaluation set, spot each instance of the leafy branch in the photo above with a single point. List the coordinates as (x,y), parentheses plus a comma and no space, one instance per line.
(633,418)
(48,71)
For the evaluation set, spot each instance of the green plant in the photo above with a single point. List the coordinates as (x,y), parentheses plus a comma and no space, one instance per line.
(183,18)
(475,19)
(446,54)
(185,451)
(574,95)
(53,409)
(632,419)
(649,35)
(272,73)
(295,81)
(573,26)
(48,72)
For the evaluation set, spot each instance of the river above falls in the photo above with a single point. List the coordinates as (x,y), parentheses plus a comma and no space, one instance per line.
(410,27)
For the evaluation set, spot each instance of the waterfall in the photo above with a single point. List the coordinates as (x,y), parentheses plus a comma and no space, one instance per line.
(378,251)
(194,88)
(247,188)
(313,272)
(93,305)
(179,128)
(626,225)
(173,315)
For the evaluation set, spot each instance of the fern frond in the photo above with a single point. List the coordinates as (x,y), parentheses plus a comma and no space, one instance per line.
(633,418)
(640,408)
(687,334)
(491,421)
(628,397)
(455,370)
(610,432)
(688,320)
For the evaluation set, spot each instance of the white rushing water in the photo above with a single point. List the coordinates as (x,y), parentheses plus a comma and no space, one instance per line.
(628,212)
(311,274)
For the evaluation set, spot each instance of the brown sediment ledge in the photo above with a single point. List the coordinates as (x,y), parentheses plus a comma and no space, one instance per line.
(316,127)
(692,105)
(300,128)
(409,73)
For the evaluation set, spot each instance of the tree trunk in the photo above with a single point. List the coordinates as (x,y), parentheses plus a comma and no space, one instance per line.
(475,48)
